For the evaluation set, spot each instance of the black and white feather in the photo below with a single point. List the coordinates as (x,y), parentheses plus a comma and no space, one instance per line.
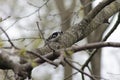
(54,36)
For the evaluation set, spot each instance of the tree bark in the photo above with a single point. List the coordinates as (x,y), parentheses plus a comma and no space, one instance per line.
(96,36)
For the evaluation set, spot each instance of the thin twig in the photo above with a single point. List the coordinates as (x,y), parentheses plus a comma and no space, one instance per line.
(22,39)
(27,15)
(40,31)
(30,43)
(91,72)
(104,39)
(113,29)
(95,50)
(43,58)
(6,18)
(91,77)
(9,40)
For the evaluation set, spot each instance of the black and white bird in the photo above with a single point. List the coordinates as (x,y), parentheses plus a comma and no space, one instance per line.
(54,36)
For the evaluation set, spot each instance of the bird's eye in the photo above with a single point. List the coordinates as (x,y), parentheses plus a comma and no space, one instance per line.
(54,35)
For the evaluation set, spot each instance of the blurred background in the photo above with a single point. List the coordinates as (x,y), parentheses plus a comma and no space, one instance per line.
(19,19)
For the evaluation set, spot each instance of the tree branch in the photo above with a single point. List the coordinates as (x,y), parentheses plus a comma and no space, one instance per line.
(74,49)
(84,28)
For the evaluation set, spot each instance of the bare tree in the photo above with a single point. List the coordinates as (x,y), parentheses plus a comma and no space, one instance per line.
(96,60)
(63,46)
(66,16)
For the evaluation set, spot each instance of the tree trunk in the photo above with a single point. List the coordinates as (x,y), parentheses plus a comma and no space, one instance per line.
(96,36)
